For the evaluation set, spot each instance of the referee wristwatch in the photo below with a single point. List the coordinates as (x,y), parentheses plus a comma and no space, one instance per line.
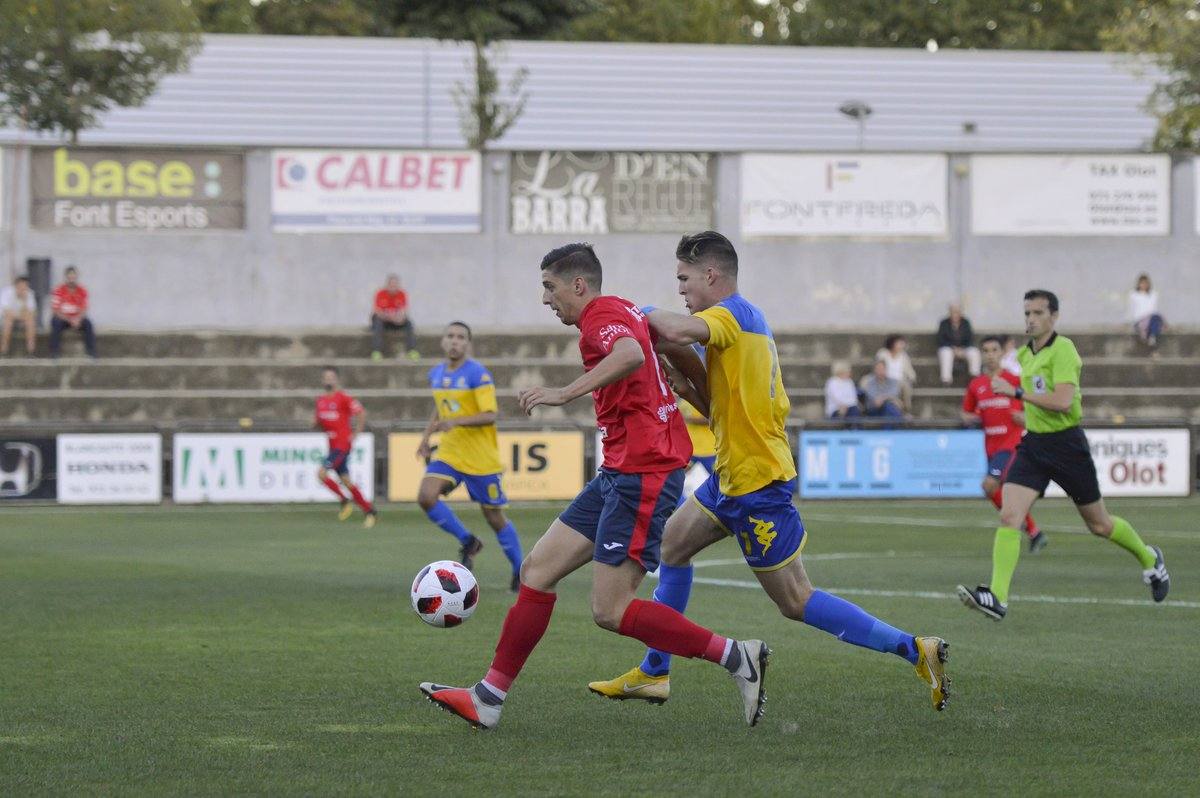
(1020,392)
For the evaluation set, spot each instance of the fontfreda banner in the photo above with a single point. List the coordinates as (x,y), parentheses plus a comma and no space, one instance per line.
(136,190)
(611,192)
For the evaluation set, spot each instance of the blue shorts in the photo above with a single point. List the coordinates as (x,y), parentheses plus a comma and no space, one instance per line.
(709,461)
(764,522)
(482,488)
(624,514)
(337,461)
(998,463)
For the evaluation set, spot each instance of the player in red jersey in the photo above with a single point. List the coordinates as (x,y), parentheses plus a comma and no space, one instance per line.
(336,410)
(1003,422)
(617,520)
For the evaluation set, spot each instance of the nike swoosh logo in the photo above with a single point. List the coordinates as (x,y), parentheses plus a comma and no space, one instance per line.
(612,546)
(625,688)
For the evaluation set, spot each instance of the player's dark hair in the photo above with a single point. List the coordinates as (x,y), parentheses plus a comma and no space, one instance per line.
(891,340)
(462,324)
(993,338)
(709,248)
(575,260)
(70,269)
(330,368)
(1041,293)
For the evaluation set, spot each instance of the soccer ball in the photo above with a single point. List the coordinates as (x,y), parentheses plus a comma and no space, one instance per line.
(444,593)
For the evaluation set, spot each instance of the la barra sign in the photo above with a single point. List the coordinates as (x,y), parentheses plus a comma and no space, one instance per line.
(137,189)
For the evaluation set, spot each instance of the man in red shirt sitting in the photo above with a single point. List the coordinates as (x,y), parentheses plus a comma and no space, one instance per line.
(391,313)
(69,304)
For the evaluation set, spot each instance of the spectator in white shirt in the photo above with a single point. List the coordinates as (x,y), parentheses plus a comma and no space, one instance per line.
(899,367)
(17,304)
(841,394)
(1143,312)
(1009,361)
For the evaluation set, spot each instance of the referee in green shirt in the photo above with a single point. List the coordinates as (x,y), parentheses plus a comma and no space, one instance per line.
(1054,449)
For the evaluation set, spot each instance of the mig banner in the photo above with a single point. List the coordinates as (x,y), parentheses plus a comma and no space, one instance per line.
(136,190)
(1071,195)
(381,191)
(611,192)
(884,464)
(889,196)
(230,469)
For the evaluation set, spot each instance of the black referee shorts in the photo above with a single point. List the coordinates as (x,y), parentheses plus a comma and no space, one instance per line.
(1063,457)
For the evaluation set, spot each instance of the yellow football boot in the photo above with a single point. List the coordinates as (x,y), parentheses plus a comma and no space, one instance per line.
(369,521)
(932,653)
(634,684)
(346,511)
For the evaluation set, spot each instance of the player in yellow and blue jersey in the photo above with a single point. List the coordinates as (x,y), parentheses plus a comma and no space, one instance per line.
(465,415)
(749,497)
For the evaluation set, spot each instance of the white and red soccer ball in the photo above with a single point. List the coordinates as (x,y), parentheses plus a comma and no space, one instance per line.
(444,593)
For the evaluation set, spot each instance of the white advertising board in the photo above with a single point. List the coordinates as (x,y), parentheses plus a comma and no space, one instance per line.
(1140,462)
(1071,195)
(221,468)
(109,469)
(426,191)
(844,195)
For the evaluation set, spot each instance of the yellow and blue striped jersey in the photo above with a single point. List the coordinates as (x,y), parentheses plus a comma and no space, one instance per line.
(748,404)
(466,391)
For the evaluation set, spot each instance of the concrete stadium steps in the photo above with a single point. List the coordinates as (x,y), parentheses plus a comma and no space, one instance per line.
(351,345)
(197,374)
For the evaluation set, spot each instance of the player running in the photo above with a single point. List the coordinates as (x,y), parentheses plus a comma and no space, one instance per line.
(336,410)
(749,496)
(465,413)
(1003,424)
(1053,449)
(616,521)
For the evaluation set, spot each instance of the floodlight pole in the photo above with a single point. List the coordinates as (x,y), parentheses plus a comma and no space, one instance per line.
(858,111)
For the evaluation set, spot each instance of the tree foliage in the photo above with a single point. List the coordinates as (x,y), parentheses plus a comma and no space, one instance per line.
(696,22)
(296,17)
(64,62)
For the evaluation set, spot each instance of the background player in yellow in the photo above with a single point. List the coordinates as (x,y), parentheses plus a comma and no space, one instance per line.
(465,413)
(749,496)
(1054,449)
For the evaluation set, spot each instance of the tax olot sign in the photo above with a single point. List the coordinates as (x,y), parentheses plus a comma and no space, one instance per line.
(263,468)
(1140,462)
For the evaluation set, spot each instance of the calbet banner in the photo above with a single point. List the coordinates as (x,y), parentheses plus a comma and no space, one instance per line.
(138,190)
(585,193)
(27,468)
(110,469)
(537,465)
(234,468)
(1140,462)
(362,191)
(844,195)
(1065,195)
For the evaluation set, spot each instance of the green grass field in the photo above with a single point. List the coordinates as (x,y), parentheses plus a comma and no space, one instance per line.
(272,651)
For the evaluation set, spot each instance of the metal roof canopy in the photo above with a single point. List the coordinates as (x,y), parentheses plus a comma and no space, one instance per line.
(367,92)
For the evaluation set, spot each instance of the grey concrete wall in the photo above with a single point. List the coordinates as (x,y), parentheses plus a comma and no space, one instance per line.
(257,279)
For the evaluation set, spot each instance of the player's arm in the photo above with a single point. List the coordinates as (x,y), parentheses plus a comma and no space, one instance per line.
(969,412)
(970,419)
(1018,417)
(677,328)
(686,373)
(359,420)
(1058,401)
(623,359)
(424,449)
(476,420)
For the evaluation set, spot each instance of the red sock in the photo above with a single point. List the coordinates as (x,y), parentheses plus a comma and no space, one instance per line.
(524,626)
(661,627)
(1031,527)
(362,503)
(333,486)
(996,500)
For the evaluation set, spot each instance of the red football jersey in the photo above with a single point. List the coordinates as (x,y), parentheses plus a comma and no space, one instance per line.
(71,303)
(995,410)
(387,302)
(334,411)
(638,417)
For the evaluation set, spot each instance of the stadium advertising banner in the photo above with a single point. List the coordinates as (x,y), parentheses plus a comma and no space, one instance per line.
(380,191)
(1071,195)
(136,190)
(27,469)
(537,465)
(844,195)
(1140,462)
(110,469)
(611,192)
(220,468)
(870,464)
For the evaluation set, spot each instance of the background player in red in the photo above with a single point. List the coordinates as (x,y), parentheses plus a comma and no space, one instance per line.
(335,412)
(1003,423)
(617,519)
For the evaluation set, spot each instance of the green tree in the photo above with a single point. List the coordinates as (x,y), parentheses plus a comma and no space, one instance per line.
(698,22)
(1169,34)
(64,62)
(484,113)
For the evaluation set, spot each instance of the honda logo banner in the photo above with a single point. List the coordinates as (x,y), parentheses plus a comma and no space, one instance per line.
(110,469)
(27,469)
